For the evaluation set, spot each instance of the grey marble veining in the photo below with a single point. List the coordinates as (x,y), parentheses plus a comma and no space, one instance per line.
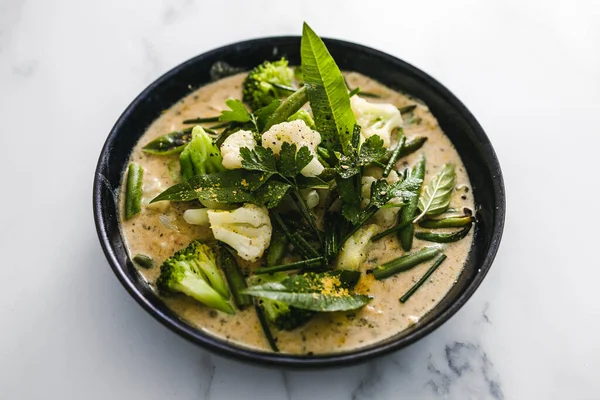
(530,72)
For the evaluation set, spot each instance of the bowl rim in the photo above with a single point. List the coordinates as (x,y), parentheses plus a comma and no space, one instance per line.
(230,349)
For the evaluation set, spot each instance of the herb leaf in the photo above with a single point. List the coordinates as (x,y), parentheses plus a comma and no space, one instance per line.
(290,162)
(435,198)
(371,150)
(324,292)
(258,159)
(271,193)
(237,112)
(327,93)
(233,186)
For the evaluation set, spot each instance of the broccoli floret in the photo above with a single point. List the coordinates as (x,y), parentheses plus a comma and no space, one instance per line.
(200,156)
(193,271)
(304,116)
(259,89)
(281,315)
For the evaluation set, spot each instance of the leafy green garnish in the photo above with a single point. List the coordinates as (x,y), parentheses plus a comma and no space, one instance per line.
(327,93)
(324,292)
(436,196)
(271,193)
(290,162)
(287,167)
(258,159)
(233,186)
(371,150)
(236,113)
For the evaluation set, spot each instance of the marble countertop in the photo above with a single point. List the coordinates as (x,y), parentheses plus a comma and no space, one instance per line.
(530,72)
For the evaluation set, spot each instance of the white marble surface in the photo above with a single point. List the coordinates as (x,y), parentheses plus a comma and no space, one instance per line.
(529,70)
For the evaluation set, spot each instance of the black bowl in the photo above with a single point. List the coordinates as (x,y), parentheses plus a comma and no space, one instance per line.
(457,122)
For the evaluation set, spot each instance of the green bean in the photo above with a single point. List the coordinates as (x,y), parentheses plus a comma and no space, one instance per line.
(311,263)
(235,278)
(284,87)
(143,261)
(392,161)
(277,248)
(409,211)
(450,222)
(420,282)
(407,109)
(332,236)
(201,120)
(299,243)
(133,195)
(396,228)
(288,107)
(410,147)
(306,213)
(168,144)
(444,237)
(405,262)
(264,324)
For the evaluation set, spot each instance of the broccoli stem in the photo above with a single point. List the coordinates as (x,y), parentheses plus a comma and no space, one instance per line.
(311,263)
(133,194)
(287,108)
(235,278)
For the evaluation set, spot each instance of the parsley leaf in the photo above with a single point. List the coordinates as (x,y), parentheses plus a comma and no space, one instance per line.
(237,112)
(371,150)
(258,159)
(290,162)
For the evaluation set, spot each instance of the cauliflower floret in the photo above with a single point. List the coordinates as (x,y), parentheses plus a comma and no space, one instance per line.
(230,149)
(376,118)
(246,229)
(385,217)
(298,133)
(355,249)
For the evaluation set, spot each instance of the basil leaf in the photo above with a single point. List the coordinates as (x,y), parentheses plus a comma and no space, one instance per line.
(168,144)
(327,93)
(237,112)
(324,292)
(436,196)
(233,186)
